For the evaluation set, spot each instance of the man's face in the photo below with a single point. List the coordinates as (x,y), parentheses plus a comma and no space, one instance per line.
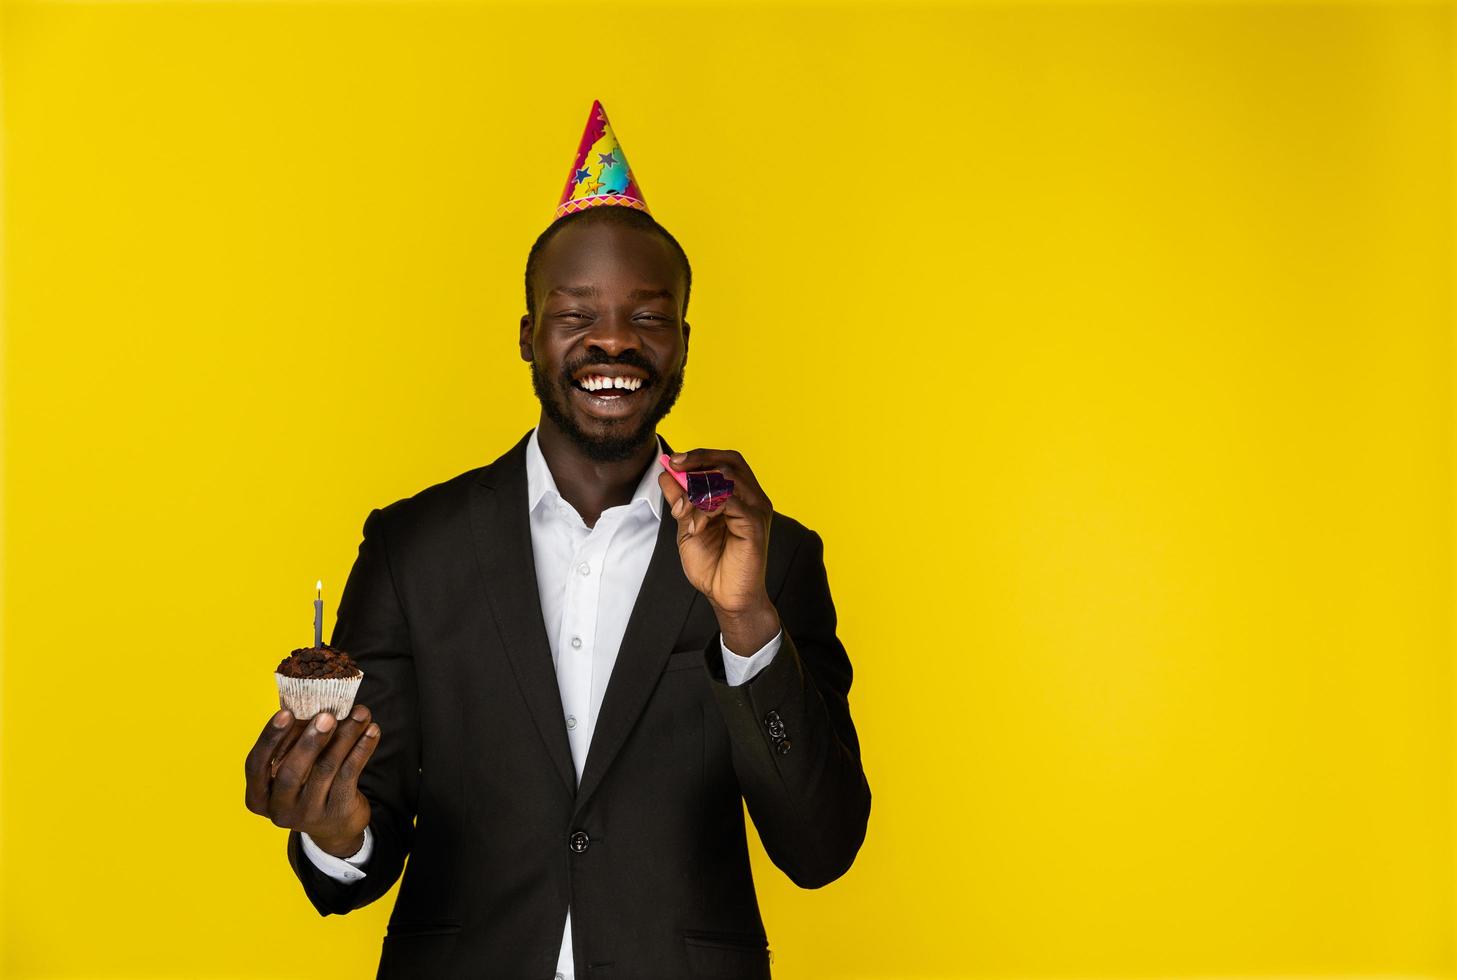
(609,303)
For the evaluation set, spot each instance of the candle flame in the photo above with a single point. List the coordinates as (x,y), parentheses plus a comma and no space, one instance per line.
(319,588)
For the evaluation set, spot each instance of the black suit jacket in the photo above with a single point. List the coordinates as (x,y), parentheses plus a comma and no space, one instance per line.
(473,777)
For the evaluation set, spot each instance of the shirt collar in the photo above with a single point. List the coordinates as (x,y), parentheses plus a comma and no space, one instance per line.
(539,479)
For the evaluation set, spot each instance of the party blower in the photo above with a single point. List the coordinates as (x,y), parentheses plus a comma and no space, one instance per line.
(707,489)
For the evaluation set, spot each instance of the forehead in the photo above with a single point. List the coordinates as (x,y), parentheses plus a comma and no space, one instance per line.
(608,259)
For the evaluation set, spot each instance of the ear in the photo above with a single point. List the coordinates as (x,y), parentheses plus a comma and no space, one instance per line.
(527,329)
(686,330)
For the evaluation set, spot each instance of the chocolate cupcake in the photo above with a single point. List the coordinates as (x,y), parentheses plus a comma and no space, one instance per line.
(314,679)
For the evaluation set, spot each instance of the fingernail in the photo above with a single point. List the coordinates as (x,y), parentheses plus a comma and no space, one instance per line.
(324,721)
(678,457)
(358,713)
(282,718)
(678,507)
(372,731)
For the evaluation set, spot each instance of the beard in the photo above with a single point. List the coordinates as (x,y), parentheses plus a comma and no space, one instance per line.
(618,442)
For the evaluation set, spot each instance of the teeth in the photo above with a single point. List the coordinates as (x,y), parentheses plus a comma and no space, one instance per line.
(598,382)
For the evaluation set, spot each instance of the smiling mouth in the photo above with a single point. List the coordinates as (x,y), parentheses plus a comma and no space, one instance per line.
(601,384)
(609,395)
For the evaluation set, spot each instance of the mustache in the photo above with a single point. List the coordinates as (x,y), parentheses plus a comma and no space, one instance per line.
(629,358)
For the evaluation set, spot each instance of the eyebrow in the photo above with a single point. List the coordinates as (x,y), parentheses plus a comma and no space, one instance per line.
(635,294)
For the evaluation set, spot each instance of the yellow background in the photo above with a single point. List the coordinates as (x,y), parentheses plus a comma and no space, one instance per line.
(1132,323)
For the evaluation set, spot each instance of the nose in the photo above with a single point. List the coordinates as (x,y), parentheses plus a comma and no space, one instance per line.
(612,333)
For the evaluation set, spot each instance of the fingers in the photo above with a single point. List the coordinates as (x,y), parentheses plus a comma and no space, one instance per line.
(293,771)
(346,781)
(690,519)
(321,777)
(294,731)
(673,495)
(732,464)
(739,518)
(703,459)
(258,767)
(745,514)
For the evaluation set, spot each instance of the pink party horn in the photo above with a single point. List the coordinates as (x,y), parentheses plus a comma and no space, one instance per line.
(707,489)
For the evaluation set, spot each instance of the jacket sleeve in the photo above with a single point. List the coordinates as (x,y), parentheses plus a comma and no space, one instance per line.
(794,745)
(371,628)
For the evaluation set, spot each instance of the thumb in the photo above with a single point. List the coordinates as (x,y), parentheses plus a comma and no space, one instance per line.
(679,506)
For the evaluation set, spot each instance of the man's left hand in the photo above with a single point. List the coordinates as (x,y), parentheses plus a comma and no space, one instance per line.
(725,551)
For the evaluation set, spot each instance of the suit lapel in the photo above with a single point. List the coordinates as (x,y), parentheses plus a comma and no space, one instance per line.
(502,531)
(652,630)
(501,527)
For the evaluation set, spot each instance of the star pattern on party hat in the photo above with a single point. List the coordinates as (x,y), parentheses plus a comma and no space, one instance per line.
(600,173)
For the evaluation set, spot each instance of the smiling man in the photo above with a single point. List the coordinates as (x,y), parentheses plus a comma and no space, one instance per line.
(574,679)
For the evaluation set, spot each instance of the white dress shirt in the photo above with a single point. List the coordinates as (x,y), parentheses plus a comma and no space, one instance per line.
(588,579)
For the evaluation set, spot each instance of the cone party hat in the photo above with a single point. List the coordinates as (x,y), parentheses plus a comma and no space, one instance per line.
(600,174)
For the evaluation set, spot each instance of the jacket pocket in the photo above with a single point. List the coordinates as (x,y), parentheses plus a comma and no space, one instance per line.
(726,955)
(684,659)
(418,949)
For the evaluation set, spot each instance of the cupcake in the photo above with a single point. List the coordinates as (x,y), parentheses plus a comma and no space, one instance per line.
(314,679)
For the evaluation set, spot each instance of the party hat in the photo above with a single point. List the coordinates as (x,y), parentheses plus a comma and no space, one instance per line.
(599,173)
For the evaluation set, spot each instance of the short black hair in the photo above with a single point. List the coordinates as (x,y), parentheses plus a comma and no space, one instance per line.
(605,213)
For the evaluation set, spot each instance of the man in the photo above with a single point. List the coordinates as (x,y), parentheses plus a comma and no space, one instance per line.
(572,675)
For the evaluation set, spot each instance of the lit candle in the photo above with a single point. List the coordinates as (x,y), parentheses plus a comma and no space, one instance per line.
(319,613)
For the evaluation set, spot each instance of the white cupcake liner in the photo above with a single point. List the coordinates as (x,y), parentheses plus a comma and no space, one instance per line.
(307,696)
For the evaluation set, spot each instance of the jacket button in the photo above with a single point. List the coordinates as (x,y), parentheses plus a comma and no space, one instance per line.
(783,746)
(579,841)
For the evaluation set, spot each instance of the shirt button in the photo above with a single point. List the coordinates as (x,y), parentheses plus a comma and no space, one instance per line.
(571,721)
(584,568)
(579,841)
(576,643)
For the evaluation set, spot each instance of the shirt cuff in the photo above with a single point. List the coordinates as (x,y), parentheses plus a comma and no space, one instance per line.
(740,670)
(340,869)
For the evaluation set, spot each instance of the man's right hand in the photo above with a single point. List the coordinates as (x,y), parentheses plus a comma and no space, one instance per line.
(304,775)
